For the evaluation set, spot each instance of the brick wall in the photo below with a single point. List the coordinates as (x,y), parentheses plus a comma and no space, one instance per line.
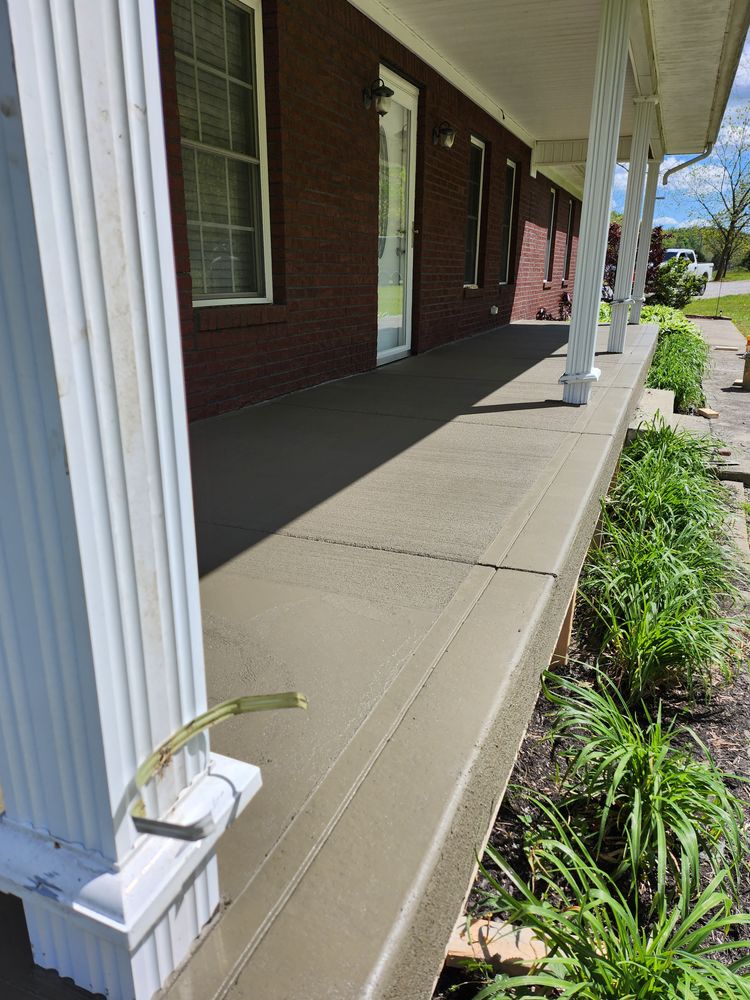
(323,174)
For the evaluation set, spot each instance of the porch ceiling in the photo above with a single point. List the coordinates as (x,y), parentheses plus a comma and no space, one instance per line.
(533,61)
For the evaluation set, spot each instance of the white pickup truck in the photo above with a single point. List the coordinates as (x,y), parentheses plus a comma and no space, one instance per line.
(703,270)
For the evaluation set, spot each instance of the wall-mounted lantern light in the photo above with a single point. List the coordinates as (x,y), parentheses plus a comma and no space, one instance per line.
(444,135)
(379,95)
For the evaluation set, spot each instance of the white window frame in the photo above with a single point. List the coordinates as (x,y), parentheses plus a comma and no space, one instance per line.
(504,279)
(568,242)
(480,145)
(255,7)
(548,262)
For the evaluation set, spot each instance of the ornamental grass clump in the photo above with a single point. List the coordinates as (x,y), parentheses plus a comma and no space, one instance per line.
(681,358)
(665,476)
(657,587)
(651,795)
(600,944)
(653,606)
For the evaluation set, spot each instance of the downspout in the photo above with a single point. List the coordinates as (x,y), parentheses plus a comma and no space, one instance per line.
(688,163)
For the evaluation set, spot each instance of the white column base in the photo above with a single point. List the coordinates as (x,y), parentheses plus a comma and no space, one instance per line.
(577,387)
(616,338)
(123,930)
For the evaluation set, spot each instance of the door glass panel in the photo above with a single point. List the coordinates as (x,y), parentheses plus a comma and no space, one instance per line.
(393,223)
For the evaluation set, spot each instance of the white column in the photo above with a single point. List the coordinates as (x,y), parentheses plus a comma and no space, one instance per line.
(630,218)
(644,242)
(101,653)
(604,131)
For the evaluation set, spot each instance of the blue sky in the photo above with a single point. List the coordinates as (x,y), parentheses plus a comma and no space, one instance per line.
(673,207)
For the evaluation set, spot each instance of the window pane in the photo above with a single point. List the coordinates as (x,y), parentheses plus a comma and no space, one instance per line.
(245,262)
(209,32)
(216,94)
(476,154)
(196,259)
(214,113)
(217,254)
(549,261)
(186,99)
(182,27)
(191,185)
(506,232)
(238,175)
(569,239)
(212,188)
(242,112)
(239,43)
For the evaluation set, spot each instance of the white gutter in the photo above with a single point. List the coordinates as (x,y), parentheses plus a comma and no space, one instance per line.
(688,163)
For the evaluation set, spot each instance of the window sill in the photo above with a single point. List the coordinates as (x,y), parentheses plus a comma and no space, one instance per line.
(564,283)
(231,316)
(472,291)
(546,285)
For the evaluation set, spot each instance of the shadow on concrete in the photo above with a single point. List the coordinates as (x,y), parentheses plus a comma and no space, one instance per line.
(260,469)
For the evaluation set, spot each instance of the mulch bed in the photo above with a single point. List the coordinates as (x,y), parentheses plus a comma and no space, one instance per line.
(723,724)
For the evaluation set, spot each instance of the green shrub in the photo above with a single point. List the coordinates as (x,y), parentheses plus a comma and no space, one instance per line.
(605,312)
(600,945)
(649,800)
(674,285)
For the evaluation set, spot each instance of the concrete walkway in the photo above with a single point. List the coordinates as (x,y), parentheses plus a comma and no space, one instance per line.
(733,405)
(401,546)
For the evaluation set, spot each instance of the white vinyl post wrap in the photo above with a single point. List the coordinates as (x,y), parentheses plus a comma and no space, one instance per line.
(631,218)
(604,131)
(644,242)
(101,655)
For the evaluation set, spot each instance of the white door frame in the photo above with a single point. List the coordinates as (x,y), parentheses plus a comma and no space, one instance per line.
(406,94)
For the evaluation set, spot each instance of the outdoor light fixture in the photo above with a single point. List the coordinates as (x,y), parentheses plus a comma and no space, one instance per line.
(444,135)
(378,94)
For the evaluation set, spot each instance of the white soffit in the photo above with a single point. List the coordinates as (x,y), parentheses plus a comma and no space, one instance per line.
(697,46)
(534,59)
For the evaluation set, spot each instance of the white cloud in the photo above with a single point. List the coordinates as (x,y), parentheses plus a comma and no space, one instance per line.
(620,181)
(742,79)
(666,221)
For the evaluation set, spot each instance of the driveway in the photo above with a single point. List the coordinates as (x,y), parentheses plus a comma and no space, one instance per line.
(716,288)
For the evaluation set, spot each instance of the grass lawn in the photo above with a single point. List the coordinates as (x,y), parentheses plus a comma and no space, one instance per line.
(736,307)
(741,274)
(390,300)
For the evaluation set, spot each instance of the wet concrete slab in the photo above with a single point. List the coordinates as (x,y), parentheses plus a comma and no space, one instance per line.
(402,546)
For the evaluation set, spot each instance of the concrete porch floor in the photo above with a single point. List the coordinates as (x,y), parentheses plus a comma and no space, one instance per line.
(401,546)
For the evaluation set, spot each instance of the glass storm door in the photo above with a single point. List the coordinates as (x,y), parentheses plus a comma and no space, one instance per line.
(397,161)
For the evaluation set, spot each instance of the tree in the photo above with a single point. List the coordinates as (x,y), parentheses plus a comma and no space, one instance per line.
(655,256)
(721,187)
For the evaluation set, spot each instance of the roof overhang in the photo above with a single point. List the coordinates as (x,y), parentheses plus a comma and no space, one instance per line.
(531,65)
